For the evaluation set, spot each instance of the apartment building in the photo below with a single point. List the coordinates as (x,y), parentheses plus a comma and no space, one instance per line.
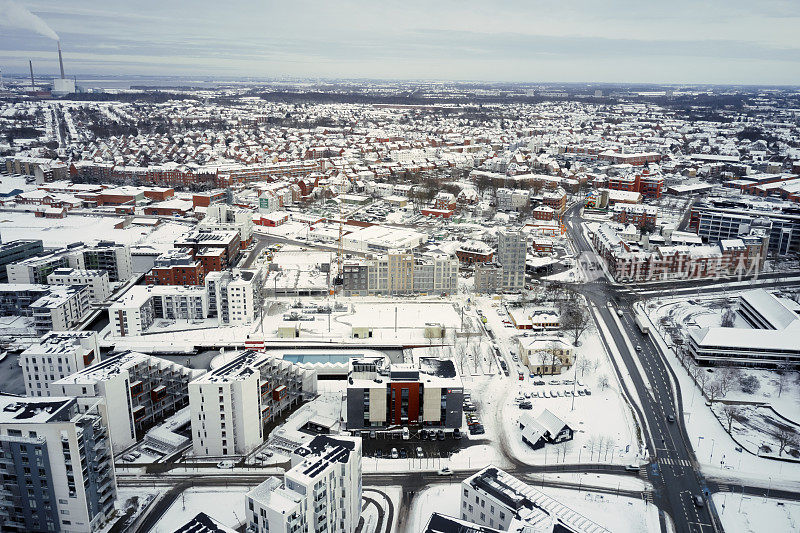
(57,354)
(56,464)
(321,492)
(512,248)
(382,395)
(223,217)
(61,309)
(511,199)
(36,269)
(226,244)
(176,267)
(637,214)
(231,405)
(237,297)
(140,390)
(16,251)
(632,262)
(488,278)
(400,273)
(96,281)
(141,305)
(498,500)
(109,256)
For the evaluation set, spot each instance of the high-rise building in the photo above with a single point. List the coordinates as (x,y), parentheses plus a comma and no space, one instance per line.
(231,405)
(56,463)
(512,247)
(140,390)
(321,492)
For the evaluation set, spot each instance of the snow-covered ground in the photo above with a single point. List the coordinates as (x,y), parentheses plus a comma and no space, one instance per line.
(605,431)
(616,513)
(226,505)
(755,514)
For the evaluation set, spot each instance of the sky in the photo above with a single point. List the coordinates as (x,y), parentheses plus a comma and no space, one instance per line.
(612,41)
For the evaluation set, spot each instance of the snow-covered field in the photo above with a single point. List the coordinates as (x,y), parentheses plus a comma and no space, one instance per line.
(616,513)
(753,514)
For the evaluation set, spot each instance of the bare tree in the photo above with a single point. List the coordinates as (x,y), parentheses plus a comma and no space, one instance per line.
(728,318)
(730,412)
(714,390)
(543,357)
(574,318)
(583,364)
(603,382)
(728,377)
(785,437)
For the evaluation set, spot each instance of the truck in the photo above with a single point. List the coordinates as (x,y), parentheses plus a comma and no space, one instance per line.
(643,327)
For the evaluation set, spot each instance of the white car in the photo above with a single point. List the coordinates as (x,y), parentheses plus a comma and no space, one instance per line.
(226,464)
(445,471)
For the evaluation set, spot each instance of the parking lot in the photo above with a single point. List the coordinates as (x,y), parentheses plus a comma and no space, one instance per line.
(382,444)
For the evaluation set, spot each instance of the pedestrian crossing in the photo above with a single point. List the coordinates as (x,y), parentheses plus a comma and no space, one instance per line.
(723,487)
(674,462)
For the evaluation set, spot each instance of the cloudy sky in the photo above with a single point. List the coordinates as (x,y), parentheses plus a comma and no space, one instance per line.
(675,41)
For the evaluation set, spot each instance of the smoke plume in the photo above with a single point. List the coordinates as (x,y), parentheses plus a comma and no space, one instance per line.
(14,15)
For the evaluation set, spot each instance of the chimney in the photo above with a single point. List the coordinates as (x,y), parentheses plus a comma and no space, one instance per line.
(60,61)
(33,85)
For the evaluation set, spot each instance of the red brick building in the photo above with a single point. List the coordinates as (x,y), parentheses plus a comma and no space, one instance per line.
(215,249)
(176,268)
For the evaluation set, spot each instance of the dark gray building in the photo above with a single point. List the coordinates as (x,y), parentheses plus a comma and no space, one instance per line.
(56,463)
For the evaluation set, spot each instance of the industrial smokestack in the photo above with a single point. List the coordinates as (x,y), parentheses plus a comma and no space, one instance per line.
(60,61)
(33,85)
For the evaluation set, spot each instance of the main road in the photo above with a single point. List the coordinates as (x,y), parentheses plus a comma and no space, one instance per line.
(674,470)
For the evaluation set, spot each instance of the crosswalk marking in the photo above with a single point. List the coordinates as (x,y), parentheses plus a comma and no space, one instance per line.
(724,488)
(674,462)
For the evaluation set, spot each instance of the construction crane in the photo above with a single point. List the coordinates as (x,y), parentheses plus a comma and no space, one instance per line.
(340,247)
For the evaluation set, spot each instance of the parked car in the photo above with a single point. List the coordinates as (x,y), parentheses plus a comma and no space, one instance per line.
(406,434)
(587,392)
(525,405)
(445,471)
(440,435)
(420,455)
(403,453)
(226,464)
(457,434)
(395,454)
(477,430)
(378,454)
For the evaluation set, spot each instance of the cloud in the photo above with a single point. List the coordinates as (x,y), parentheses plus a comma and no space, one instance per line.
(14,15)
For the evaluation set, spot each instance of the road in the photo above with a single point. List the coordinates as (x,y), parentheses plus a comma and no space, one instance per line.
(674,472)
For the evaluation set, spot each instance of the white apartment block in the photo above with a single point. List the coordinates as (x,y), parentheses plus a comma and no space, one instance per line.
(141,305)
(95,280)
(62,309)
(236,297)
(223,217)
(231,404)
(396,273)
(57,355)
(321,492)
(56,464)
(140,390)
